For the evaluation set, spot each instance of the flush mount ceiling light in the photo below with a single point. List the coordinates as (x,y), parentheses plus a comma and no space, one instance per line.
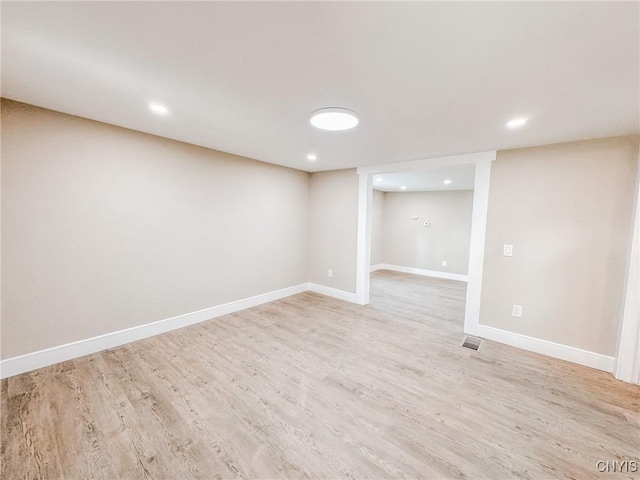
(403,187)
(378,179)
(158,108)
(447,181)
(517,122)
(312,157)
(334,119)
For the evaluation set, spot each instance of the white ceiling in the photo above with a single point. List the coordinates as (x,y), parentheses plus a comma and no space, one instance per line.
(461,176)
(428,79)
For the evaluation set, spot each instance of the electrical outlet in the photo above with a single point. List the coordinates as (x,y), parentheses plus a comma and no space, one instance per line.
(444,263)
(507,250)
(516,311)
(330,273)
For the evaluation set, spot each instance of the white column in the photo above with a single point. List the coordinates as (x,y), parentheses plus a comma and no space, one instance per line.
(476,250)
(365,197)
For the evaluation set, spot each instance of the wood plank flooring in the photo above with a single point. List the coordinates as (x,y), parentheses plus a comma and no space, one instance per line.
(313,387)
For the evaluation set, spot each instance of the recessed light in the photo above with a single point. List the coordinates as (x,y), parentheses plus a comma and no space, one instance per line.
(378,179)
(517,122)
(158,108)
(403,187)
(447,181)
(334,119)
(312,157)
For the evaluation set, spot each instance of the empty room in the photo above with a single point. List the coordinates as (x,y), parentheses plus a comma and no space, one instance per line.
(362,240)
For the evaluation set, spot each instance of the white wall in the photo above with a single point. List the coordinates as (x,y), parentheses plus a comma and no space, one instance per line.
(106,228)
(408,243)
(333,228)
(567,211)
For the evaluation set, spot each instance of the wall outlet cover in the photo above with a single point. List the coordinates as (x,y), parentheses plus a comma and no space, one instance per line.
(516,311)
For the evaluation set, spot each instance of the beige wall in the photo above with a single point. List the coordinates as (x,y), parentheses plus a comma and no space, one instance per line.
(409,243)
(377,219)
(106,228)
(566,209)
(333,228)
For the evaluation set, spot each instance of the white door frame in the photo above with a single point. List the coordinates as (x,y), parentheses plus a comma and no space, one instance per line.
(627,363)
(482,163)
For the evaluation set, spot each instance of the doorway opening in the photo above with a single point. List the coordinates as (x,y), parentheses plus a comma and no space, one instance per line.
(420,242)
(481,163)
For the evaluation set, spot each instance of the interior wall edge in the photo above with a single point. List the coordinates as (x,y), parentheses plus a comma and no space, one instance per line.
(334,292)
(627,364)
(10,101)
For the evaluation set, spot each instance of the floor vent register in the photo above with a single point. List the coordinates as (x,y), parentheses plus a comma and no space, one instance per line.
(472,342)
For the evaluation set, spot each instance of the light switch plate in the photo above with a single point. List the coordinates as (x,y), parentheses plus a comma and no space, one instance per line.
(507,250)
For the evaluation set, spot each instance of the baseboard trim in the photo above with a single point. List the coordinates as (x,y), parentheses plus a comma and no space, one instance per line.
(426,273)
(333,292)
(545,347)
(378,266)
(31,361)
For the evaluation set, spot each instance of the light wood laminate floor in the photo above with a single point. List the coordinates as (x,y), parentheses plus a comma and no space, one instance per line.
(311,386)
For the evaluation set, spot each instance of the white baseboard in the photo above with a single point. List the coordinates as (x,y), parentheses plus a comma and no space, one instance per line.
(31,361)
(545,347)
(376,267)
(333,292)
(427,273)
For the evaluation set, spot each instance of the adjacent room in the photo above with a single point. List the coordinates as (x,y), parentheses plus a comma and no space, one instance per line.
(421,227)
(273,240)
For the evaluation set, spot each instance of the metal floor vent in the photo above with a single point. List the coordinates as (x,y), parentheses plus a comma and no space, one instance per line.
(472,342)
